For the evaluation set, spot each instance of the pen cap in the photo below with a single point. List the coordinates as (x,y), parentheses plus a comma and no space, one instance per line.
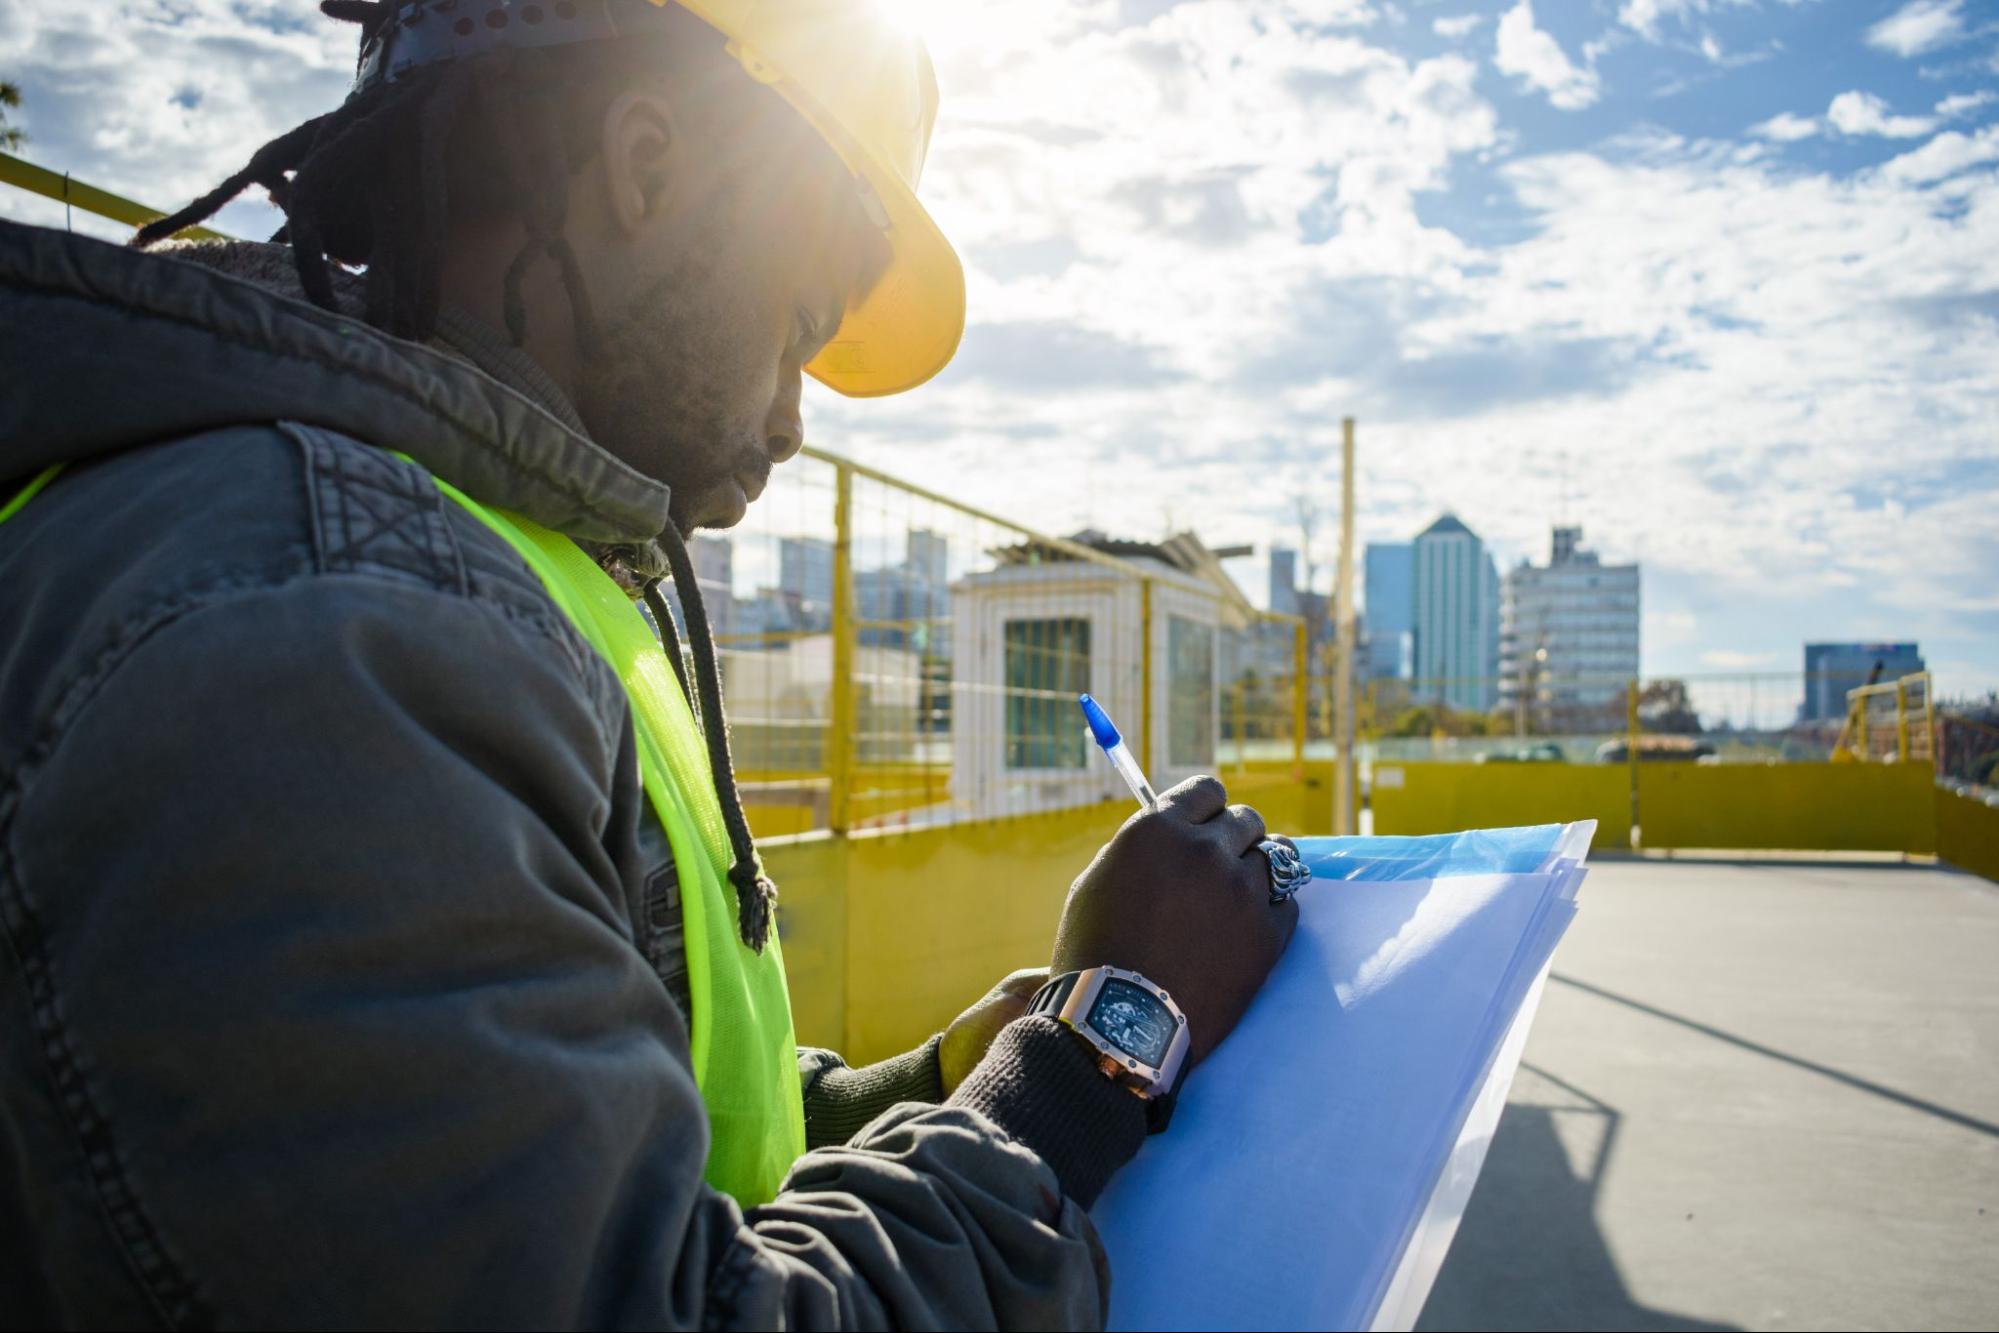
(1100,723)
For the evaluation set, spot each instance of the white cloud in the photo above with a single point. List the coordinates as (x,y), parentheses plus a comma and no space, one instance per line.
(1647,17)
(1195,242)
(1919,26)
(1943,156)
(168,97)
(1642,16)
(1963,104)
(1538,60)
(1461,25)
(1731,659)
(1785,128)
(1865,113)
(1671,628)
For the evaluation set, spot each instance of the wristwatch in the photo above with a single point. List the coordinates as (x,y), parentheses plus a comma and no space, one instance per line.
(1137,1033)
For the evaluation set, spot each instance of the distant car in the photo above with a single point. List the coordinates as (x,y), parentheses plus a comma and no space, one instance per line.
(1547,752)
(1656,749)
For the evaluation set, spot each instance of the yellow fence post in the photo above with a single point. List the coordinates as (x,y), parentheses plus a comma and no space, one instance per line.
(1633,732)
(840,722)
(1300,683)
(1346,773)
(1238,719)
(1902,721)
(1145,674)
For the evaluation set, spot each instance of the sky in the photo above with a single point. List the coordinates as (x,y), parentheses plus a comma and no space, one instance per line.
(1717,280)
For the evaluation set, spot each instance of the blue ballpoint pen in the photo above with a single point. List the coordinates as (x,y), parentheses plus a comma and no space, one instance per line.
(1106,735)
(1287,871)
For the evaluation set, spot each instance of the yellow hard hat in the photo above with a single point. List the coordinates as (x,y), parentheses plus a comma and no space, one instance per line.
(867,85)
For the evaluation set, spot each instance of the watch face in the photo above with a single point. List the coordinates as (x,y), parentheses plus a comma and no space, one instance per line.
(1132,1019)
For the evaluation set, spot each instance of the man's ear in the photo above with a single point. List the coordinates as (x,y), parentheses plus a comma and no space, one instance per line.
(640,151)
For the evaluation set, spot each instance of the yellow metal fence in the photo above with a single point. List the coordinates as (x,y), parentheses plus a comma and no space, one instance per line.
(901,671)
(894,658)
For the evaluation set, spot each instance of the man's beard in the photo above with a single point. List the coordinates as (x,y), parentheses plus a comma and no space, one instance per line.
(654,395)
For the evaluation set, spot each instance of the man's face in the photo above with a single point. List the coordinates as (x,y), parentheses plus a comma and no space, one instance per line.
(714,311)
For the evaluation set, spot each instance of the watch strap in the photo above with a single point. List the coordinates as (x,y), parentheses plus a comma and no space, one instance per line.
(1054,993)
(1050,999)
(1159,1110)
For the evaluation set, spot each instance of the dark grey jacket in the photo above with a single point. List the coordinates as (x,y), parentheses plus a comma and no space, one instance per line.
(332,990)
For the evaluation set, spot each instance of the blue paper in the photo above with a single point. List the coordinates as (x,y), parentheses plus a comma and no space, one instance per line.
(1504,851)
(1319,1160)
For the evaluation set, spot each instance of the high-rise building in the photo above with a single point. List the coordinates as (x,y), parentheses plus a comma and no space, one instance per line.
(714,569)
(1568,638)
(1390,610)
(1454,616)
(1831,669)
(908,605)
(930,556)
(1284,580)
(805,569)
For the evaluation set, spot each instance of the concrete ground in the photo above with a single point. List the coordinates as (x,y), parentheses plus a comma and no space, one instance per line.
(1757,1096)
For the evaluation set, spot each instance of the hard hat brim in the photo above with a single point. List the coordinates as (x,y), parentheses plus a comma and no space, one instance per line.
(909,325)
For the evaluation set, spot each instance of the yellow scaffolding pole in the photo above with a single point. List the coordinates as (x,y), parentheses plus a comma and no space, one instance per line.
(1634,731)
(25,175)
(1300,696)
(1145,674)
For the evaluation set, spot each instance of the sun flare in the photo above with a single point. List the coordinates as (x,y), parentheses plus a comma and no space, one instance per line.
(943,24)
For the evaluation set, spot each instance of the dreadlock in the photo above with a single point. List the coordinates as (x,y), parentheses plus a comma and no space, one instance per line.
(373,182)
(378,182)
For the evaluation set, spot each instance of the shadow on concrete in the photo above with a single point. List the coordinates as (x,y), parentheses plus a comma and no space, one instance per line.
(1853,1081)
(1529,1253)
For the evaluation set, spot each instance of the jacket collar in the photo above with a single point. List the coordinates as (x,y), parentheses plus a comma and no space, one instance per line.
(126,348)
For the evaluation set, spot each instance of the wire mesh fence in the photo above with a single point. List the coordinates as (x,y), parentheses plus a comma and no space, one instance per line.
(1967,740)
(895,658)
(1766,717)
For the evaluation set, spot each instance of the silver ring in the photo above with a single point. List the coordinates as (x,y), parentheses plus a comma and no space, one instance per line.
(1288,873)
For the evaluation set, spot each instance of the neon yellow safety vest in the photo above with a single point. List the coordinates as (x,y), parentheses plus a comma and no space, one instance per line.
(744,1049)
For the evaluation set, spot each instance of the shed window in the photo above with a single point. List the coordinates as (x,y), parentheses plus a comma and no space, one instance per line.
(1047,666)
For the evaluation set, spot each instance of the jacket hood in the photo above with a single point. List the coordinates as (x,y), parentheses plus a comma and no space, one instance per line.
(107,348)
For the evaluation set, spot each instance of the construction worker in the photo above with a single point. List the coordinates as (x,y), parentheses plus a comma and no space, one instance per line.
(385,945)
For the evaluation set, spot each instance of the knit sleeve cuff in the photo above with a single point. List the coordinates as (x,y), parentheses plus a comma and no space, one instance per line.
(1039,1084)
(840,1102)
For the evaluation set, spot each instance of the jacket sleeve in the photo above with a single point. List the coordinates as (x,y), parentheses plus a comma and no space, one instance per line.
(840,1100)
(347,1015)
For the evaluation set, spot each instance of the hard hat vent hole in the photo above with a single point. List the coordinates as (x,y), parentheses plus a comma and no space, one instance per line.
(462,27)
(532,14)
(496,18)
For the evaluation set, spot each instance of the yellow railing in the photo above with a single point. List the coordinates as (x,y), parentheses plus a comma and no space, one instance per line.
(1889,722)
(896,658)
(901,669)
(59,186)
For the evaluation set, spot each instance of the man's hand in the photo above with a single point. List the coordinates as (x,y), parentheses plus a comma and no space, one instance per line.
(1182,896)
(971,1032)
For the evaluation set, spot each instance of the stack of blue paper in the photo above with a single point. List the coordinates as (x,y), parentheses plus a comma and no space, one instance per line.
(1319,1161)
